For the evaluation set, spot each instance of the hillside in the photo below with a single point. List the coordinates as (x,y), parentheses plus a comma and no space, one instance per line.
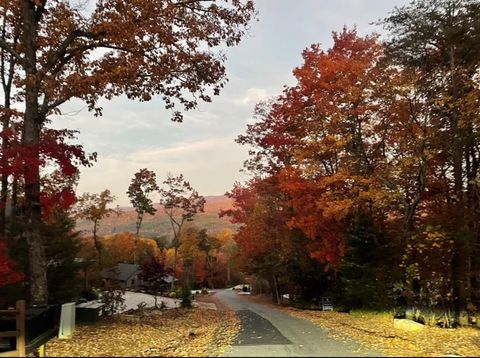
(159,224)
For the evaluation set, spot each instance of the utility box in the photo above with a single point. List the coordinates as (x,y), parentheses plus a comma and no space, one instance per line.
(327,304)
(41,325)
(89,312)
(67,321)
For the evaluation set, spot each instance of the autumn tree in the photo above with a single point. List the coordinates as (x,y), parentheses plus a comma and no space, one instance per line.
(268,246)
(143,184)
(153,273)
(147,48)
(350,147)
(317,136)
(59,160)
(127,247)
(191,256)
(181,203)
(228,252)
(210,246)
(439,39)
(94,207)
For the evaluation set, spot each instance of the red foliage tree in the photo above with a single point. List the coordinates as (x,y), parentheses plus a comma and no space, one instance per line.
(8,275)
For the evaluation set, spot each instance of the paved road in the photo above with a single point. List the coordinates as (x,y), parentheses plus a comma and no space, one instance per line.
(267,332)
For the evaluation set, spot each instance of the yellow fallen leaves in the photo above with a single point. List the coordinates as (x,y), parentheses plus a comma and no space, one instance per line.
(375,331)
(172,333)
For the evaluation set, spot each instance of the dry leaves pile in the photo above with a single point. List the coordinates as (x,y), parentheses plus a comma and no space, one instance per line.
(176,332)
(375,331)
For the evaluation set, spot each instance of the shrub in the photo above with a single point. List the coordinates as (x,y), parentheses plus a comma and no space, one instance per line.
(90,294)
(186,297)
(113,299)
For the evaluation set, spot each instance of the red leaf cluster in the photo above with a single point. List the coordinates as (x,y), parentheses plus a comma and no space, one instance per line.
(8,275)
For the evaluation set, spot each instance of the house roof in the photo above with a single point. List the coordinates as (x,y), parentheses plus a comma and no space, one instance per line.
(168,278)
(121,272)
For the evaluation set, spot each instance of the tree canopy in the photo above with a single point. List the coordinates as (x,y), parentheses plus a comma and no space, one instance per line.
(54,51)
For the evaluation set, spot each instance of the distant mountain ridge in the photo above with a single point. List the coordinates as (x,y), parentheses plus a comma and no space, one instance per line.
(159,225)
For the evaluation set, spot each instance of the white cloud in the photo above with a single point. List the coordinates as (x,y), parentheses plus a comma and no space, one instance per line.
(134,135)
(180,149)
(252,96)
(210,165)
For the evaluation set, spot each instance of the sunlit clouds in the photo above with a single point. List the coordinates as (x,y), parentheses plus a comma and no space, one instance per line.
(132,135)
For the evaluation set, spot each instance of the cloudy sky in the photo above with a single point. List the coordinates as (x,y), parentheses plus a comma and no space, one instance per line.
(133,135)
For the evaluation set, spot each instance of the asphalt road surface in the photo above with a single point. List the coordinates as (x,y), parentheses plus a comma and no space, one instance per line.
(267,332)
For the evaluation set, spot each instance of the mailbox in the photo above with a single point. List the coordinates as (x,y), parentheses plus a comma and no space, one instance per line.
(89,312)
(327,304)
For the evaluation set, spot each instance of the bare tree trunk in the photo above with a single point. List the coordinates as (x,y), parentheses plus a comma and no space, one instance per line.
(31,138)
(4,180)
(172,285)
(276,293)
(138,224)
(228,272)
(14,208)
(209,271)
(7,80)
(4,192)
(98,246)
(459,262)
(135,249)
(85,272)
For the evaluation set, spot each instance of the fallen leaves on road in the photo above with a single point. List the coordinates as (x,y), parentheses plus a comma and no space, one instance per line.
(375,331)
(176,332)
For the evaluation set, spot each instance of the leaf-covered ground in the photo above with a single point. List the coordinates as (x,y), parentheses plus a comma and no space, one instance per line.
(375,331)
(176,332)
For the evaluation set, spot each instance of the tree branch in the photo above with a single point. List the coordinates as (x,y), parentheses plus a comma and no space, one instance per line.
(189,2)
(5,46)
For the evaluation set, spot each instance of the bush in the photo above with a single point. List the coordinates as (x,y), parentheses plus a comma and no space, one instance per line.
(141,307)
(186,297)
(90,295)
(113,299)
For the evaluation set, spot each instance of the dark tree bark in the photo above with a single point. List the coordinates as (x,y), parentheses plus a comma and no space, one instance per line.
(30,140)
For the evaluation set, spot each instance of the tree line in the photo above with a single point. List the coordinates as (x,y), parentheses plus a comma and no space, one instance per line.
(365,173)
(191,258)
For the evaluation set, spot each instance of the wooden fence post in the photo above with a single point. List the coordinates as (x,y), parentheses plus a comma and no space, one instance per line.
(21,339)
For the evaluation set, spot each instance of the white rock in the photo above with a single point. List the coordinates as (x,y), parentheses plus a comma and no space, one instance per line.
(407,325)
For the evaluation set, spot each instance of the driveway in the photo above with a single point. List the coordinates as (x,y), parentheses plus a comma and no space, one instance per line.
(267,332)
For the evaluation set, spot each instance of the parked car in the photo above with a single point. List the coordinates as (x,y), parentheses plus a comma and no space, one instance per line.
(242,287)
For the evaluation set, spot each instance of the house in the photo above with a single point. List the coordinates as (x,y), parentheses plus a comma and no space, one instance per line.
(125,274)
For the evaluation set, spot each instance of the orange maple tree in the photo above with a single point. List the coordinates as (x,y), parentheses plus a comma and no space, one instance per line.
(353,138)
